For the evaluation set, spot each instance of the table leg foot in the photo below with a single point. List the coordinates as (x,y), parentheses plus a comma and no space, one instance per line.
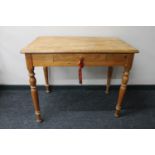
(106,92)
(117,113)
(38,117)
(39,120)
(47,89)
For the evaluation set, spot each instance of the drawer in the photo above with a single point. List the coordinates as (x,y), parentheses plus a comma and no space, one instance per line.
(74,59)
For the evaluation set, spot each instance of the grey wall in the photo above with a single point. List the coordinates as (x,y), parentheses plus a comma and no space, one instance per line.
(13,68)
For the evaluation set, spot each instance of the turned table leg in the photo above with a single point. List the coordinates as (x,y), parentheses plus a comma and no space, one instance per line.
(122,91)
(47,87)
(109,76)
(34,94)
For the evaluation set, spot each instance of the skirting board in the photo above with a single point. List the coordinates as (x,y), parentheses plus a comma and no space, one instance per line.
(131,87)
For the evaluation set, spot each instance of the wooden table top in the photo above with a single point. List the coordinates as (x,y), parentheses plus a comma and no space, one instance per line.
(57,44)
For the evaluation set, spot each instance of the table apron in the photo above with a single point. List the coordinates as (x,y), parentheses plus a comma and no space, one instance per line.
(89,59)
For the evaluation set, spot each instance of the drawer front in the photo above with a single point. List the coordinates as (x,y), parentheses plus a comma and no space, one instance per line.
(74,59)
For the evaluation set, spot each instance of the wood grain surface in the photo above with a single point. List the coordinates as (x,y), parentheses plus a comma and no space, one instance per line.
(58,44)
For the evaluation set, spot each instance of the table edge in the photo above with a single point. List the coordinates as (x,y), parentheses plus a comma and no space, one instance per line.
(84,52)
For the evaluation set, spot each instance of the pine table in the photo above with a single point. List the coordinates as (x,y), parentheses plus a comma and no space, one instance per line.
(48,51)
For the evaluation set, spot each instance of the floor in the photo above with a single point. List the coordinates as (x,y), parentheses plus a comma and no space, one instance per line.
(77,108)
